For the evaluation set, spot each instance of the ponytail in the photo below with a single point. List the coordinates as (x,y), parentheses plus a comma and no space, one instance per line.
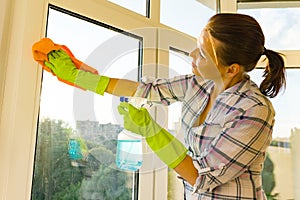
(274,74)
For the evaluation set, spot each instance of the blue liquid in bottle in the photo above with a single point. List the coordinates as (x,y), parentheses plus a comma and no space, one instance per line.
(129,154)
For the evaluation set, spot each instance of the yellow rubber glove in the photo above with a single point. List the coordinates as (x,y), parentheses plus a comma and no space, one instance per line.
(168,148)
(63,67)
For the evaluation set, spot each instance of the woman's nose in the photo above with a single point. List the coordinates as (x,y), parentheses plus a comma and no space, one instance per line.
(194,53)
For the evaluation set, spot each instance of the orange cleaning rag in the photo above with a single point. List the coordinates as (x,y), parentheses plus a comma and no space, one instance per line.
(40,52)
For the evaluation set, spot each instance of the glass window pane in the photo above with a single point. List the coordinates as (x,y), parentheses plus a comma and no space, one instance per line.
(187,16)
(77,130)
(138,6)
(179,63)
(281,26)
(284,150)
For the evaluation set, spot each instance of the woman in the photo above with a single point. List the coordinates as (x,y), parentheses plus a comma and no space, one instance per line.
(227,120)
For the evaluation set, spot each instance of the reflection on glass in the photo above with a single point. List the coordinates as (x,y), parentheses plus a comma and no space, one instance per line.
(77,130)
(187,16)
(138,6)
(281,26)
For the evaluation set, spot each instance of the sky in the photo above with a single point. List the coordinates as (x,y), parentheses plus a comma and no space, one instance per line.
(100,48)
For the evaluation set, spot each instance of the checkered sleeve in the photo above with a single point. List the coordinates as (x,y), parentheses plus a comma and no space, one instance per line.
(163,90)
(244,136)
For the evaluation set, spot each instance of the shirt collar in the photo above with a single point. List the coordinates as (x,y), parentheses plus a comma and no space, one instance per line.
(240,87)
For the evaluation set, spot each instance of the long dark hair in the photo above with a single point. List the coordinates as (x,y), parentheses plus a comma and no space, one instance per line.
(242,42)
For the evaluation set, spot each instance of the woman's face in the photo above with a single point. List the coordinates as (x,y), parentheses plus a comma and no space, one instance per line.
(205,62)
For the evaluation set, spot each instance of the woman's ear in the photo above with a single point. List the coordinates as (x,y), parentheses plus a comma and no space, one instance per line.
(233,69)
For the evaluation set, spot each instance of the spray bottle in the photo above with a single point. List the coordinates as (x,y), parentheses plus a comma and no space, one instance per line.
(129,154)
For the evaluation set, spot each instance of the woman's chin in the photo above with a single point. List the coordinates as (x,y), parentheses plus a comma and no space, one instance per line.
(196,72)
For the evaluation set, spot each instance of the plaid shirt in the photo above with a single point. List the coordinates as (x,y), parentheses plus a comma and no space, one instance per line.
(228,149)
